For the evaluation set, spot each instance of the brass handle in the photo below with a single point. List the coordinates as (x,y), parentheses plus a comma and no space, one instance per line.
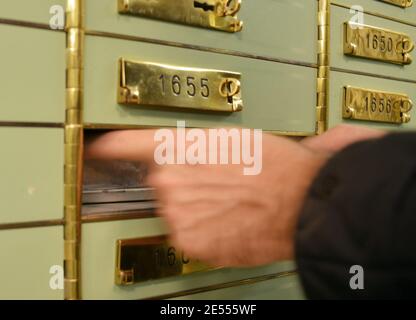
(230,88)
(228,7)
(407,46)
(410,45)
(406,105)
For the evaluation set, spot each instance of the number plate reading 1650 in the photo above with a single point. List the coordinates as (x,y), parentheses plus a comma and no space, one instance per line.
(377,43)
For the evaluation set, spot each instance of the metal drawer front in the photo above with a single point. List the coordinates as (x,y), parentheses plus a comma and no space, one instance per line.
(271,28)
(382,47)
(375,100)
(99,256)
(269,90)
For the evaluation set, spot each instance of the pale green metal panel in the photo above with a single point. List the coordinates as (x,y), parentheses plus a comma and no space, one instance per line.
(32,174)
(284,288)
(385,9)
(276,96)
(338,59)
(280,29)
(32,77)
(29,10)
(339,80)
(98,264)
(27,256)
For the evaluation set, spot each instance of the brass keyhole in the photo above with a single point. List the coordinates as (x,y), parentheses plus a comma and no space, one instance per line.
(204,6)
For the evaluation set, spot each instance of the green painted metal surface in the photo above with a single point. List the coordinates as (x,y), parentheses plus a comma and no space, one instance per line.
(38,11)
(284,288)
(32,77)
(27,256)
(32,183)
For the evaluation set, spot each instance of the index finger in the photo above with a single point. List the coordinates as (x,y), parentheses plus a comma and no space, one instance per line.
(128,145)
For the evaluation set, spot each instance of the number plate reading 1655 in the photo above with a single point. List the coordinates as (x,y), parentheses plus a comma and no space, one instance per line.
(374,105)
(158,85)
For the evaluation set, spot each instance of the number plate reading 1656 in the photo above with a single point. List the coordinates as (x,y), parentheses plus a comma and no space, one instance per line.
(158,85)
(374,105)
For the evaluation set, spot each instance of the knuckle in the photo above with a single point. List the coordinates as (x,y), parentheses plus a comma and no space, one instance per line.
(161,179)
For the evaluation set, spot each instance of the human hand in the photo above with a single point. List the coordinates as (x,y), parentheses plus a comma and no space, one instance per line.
(339,137)
(214,212)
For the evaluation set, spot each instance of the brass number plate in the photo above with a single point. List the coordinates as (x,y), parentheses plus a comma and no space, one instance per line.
(378,106)
(377,44)
(152,84)
(213,14)
(400,3)
(144,259)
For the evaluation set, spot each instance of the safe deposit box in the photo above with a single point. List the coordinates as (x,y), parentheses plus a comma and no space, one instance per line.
(75,229)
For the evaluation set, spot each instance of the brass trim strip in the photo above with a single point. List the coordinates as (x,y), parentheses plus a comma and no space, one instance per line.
(27,24)
(31,224)
(31,124)
(290,133)
(198,48)
(378,15)
(121,216)
(368,74)
(103,126)
(322,85)
(226,285)
(113,126)
(73,148)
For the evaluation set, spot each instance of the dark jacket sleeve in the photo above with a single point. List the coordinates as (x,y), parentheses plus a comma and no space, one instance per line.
(361,211)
